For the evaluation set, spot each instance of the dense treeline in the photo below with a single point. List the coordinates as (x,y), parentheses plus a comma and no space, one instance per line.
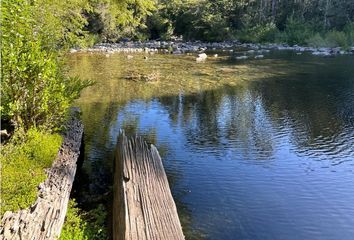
(293,21)
(313,22)
(305,22)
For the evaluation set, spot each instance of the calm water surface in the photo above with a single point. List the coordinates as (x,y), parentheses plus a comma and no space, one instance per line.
(253,149)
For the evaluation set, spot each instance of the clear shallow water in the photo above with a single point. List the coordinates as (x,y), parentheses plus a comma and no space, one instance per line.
(253,150)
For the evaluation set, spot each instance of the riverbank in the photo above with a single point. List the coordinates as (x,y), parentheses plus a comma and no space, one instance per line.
(44,218)
(176,47)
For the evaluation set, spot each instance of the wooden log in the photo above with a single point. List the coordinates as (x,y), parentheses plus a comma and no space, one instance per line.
(45,218)
(143,206)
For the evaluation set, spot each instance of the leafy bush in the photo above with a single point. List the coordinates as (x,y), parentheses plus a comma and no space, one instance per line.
(35,92)
(316,41)
(159,27)
(349,32)
(60,24)
(197,21)
(259,33)
(23,161)
(297,31)
(216,29)
(74,226)
(336,39)
(80,225)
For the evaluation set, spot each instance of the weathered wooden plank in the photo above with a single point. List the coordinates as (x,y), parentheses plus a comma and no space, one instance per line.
(45,218)
(143,206)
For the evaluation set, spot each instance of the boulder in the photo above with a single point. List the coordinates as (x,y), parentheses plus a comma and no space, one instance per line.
(202,56)
(241,57)
(199,59)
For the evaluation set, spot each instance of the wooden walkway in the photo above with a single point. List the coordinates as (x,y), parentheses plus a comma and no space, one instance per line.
(45,218)
(143,207)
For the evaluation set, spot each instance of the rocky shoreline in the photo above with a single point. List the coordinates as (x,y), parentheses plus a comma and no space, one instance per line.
(174,47)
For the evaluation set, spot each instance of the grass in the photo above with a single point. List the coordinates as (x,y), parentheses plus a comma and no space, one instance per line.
(24,159)
(81,225)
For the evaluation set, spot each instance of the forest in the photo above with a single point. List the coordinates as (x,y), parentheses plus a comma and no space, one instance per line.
(44,29)
(37,92)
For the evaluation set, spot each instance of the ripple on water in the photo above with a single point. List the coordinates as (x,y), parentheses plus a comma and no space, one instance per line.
(271,159)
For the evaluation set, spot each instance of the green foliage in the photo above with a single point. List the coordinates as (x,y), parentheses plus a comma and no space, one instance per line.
(114,20)
(23,161)
(80,225)
(316,41)
(293,22)
(297,31)
(259,33)
(199,20)
(349,32)
(214,28)
(35,92)
(335,38)
(331,39)
(159,27)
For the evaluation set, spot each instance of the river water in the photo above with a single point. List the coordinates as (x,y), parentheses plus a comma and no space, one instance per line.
(254,149)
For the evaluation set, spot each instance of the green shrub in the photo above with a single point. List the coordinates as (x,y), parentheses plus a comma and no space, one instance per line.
(259,33)
(297,31)
(74,226)
(23,161)
(316,41)
(159,27)
(81,225)
(349,32)
(34,90)
(336,39)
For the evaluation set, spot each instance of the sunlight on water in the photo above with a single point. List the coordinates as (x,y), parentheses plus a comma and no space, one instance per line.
(258,149)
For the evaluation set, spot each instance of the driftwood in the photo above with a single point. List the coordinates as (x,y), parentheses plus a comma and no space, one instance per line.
(45,218)
(143,207)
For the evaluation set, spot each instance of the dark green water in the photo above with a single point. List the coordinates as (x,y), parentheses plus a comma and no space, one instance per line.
(257,149)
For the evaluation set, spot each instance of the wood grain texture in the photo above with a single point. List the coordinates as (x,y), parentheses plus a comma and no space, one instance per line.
(143,206)
(45,218)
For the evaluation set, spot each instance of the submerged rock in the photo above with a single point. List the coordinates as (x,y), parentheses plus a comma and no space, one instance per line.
(320,53)
(199,59)
(150,77)
(202,55)
(241,57)
(177,52)
(177,47)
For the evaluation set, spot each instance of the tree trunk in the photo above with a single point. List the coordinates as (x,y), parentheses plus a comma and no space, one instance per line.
(143,207)
(274,9)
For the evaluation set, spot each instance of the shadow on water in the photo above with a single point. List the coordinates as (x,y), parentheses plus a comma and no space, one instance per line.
(239,140)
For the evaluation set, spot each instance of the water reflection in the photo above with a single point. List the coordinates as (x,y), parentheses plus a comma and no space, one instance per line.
(265,159)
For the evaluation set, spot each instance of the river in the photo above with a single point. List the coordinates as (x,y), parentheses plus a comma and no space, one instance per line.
(253,149)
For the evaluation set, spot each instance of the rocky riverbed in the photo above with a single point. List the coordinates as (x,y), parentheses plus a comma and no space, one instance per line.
(175,47)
